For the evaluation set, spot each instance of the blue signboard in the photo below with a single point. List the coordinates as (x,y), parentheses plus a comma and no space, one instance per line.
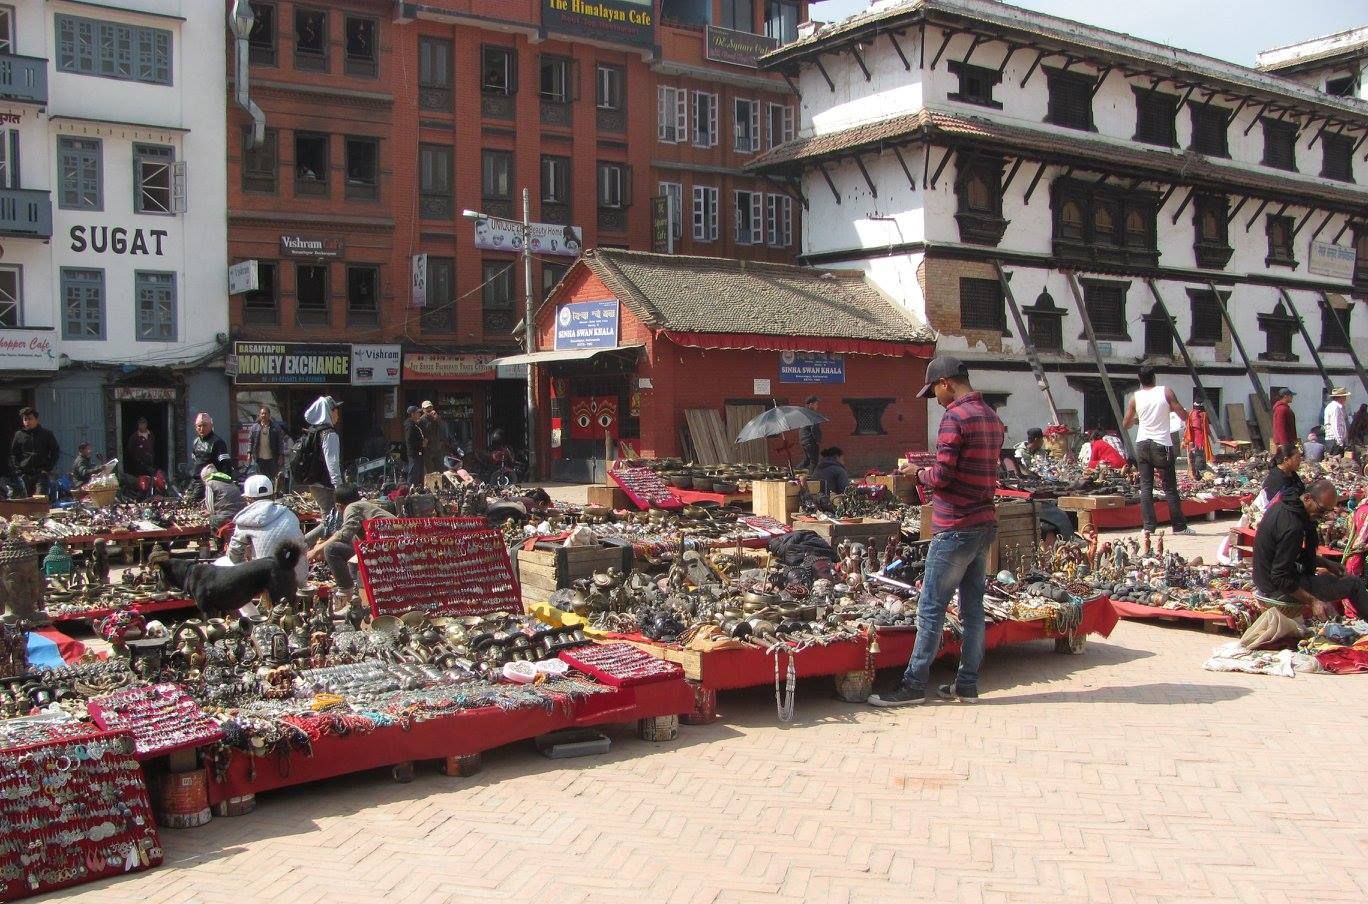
(811,367)
(587,325)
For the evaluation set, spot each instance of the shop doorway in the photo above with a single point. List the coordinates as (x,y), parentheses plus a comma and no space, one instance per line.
(508,413)
(158,416)
(9,423)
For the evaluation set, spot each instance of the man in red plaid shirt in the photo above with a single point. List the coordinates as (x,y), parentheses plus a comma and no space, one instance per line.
(964,525)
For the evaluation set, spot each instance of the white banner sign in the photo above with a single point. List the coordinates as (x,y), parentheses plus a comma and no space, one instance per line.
(28,350)
(375,365)
(1332,260)
(418,277)
(243,277)
(505,235)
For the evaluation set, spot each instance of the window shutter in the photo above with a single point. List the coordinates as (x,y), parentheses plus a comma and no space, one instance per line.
(699,222)
(772,219)
(755,126)
(713,230)
(179,187)
(790,116)
(787,222)
(712,121)
(512,72)
(757,222)
(681,115)
(662,112)
(626,176)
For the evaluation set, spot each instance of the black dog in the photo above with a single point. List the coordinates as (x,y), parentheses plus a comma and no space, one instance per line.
(220,590)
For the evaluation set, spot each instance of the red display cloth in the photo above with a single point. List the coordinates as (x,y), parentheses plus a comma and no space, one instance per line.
(832,345)
(1128,516)
(1140,611)
(376,528)
(594,661)
(1004,493)
(646,479)
(143,607)
(461,734)
(131,536)
(69,649)
(1247,535)
(1344,661)
(691,496)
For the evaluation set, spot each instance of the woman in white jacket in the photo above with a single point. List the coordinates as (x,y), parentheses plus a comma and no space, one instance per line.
(324,415)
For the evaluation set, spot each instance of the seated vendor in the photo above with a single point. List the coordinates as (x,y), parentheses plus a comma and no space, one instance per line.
(1287,564)
(1283,477)
(85,465)
(1101,451)
(336,548)
(1313,450)
(831,471)
(1029,451)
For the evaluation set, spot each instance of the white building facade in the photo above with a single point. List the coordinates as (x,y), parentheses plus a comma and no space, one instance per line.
(964,151)
(113,219)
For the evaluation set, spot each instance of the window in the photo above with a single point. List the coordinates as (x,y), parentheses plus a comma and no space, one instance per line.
(781,20)
(79,174)
(1361,256)
(1280,144)
(1345,86)
(261,43)
(363,168)
(11,297)
(555,179)
(499,71)
(362,58)
(779,220)
(83,304)
(434,181)
(738,15)
(311,163)
(131,53)
(978,188)
(9,158)
(155,297)
(439,315)
(555,79)
(1280,241)
(1337,160)
(609,87)
(153,178)
(311,39)
(260,306)
(1106,224)
(746,126)
(674,191)
(1210,127)
(868,415)
(1332,339)
(750,228)
(259,163)
(495,175)
(1208,328)
(1210,223)
(1155,117)
(705,213)
(976,84)
(551,275)
(1045,324)
(434,74)
(363,296)
(1158,333)
(497,300)
(780,124)
(705,119)
(6,29)
(672,114)
(1278,328)
(981,306)
(1070,102)
(1106,304)
(311,294)
(613,186)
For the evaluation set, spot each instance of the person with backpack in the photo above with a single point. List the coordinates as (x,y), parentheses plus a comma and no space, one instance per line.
(317,461)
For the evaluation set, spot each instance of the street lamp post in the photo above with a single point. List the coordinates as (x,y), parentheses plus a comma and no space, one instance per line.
(529,335)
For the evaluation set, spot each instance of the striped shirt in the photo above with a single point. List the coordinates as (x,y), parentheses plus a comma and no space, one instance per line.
(965,474)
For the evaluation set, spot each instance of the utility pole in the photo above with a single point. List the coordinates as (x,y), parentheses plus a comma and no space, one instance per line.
(529,336)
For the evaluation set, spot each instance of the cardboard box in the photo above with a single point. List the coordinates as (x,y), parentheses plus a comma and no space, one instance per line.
(611,496)
(1088,503)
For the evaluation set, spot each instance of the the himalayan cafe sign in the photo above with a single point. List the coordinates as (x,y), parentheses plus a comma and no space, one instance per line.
(27,350)
(616,21)
(292,363)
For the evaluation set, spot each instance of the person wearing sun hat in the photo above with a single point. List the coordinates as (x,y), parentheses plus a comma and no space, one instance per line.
(1336,422)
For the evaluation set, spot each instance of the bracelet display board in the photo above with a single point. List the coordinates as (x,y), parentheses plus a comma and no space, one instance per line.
(379,528)
(645,488)
(163,718)
(440,572)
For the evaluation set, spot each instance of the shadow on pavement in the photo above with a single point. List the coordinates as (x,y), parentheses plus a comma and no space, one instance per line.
(1161,694)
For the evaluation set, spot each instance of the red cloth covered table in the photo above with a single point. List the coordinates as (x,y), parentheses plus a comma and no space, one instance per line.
(1141,611)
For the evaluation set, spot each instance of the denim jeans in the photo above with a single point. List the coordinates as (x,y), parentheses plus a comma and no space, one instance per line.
(957,560)
(1150,457)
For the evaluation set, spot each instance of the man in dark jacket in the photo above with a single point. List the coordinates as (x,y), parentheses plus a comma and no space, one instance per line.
(831,471)
(1287,563)
(33,453)
(810,438)
(85,465)
(413,445)
(266,444)
(207,449)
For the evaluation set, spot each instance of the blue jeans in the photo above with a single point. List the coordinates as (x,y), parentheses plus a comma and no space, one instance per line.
(957,560)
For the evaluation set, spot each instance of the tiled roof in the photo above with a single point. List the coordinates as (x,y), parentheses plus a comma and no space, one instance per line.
(723,295)
(1013,139)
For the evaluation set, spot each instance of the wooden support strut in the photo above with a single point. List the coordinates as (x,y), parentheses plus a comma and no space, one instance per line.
(1031,354)
(1244,355)
(1304,220)
(1236,212)
(796,188)
(1263,205)
(1348,221)
(793,86)
(1035,180)
(1117,411)
(1097,86)
(855,52)
(831,185)
(1325,222)
(1258,116)
(859,161)
(897,152)
(1011,52)
(973,45)
(1230,120)
(945,42)
(1034,66)
(1011,174)
(941,167)
(825,74)
(1314,138)
(1177,338)
(1328,310)
(893,39)
(1182,207)
(1306,337)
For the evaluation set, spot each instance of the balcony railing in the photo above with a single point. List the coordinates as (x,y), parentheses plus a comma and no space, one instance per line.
(23,78)
(25,212)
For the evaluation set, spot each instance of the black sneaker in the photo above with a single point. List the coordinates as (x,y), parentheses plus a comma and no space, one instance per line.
(902,695)
(957,694)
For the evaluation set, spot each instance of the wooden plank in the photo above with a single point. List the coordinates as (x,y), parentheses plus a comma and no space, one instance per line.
(1088,503)
(755,451)
(1262,421)
(1238,423)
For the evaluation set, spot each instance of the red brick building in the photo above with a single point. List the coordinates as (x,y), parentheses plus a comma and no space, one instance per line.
(629,341)
(385,121)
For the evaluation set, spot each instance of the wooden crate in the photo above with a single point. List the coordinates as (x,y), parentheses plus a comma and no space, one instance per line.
(903,488)
(541,572)
(1018,534)
(611,496)
(777,499)
(1088,503)
(29,507)
(870,531)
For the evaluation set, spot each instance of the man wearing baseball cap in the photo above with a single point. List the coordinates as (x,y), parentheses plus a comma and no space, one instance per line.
(964,528)
(434,439)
